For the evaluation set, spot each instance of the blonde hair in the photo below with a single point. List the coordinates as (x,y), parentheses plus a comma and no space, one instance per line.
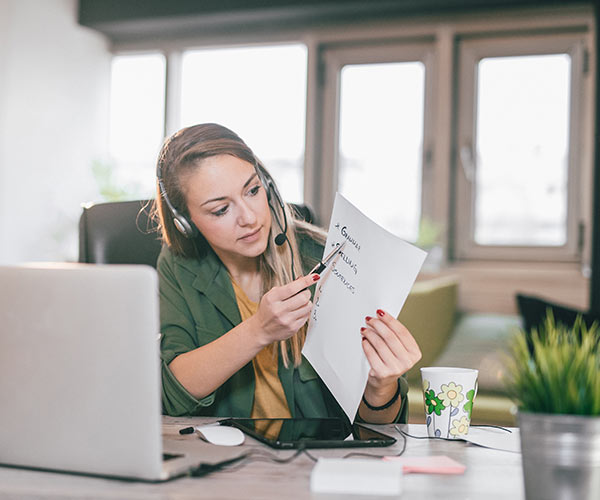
(184,152)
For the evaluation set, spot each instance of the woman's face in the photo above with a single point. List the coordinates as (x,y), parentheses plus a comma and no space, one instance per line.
(228,204)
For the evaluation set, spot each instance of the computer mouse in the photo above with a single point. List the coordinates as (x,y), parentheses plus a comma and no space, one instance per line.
(220,435)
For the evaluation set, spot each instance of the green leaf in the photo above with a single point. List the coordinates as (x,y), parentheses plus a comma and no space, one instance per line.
(558,370)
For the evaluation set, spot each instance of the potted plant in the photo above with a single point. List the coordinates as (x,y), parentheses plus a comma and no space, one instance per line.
(554,378)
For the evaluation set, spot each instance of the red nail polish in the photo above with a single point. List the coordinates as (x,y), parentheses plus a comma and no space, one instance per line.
(368,318)
(380,312)
(362,329)
(316,277)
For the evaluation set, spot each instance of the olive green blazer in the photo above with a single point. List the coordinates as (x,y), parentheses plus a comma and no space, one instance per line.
(198,305)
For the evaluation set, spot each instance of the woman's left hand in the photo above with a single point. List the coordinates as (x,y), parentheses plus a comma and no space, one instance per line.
(391,351)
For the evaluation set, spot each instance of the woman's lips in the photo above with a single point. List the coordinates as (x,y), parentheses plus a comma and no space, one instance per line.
(254,235)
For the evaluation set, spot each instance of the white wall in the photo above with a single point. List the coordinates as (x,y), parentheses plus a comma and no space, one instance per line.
(54,90)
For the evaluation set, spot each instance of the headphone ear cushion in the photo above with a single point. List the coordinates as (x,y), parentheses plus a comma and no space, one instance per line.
(185,227)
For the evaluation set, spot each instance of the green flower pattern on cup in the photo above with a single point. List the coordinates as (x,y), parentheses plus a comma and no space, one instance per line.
(468,406)
(446,399)
(460,427)
(433,403)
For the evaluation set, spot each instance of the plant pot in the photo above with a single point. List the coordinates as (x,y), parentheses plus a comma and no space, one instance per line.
(561,456)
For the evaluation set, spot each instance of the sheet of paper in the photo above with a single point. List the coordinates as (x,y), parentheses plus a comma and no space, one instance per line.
(503,439)
(497,439)
(375,270)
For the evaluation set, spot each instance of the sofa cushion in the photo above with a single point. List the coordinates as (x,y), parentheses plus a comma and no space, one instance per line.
(429,314)
(481,341)
(534,309)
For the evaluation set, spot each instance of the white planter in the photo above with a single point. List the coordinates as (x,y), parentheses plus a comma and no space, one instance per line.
(561,456)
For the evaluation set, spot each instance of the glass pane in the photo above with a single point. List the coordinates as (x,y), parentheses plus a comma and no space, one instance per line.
(381,142)
(137,106)
(522,150)
(259,93)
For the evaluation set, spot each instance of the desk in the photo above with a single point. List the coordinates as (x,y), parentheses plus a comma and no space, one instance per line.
(490,474)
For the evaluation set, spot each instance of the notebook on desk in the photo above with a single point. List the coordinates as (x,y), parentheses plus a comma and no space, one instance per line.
(80,373)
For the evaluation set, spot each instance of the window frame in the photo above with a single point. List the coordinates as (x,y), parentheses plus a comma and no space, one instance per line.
(440,165)
(470,52)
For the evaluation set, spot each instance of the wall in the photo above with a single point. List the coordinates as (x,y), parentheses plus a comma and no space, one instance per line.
(54,88)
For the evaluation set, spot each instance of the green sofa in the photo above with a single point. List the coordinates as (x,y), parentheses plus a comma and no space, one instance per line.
(449,337)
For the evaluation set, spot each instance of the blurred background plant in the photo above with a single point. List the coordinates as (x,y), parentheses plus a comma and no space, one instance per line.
(430,239)
(430,233)
(556,369)
(110,187)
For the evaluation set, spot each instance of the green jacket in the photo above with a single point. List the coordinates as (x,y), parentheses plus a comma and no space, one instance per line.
(198,305)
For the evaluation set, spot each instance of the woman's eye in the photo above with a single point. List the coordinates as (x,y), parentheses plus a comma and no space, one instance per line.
(254,190)
(220,212)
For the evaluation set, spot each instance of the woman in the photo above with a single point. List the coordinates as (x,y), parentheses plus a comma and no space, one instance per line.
(233,314)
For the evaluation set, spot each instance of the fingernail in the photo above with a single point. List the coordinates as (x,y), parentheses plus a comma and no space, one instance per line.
(362,329)
(368,318)
(316,277)
(380,312)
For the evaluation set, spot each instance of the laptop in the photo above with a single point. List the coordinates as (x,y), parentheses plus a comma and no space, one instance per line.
(80,374)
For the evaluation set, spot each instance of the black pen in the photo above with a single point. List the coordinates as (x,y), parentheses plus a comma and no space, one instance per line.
(187,430)
(320,267)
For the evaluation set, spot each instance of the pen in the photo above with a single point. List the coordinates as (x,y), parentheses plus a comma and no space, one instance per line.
(187,430)
(320,267)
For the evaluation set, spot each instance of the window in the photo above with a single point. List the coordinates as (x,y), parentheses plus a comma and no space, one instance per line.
(380,119)
(259,93)
(522,140)
(381,137)
(136,126)
(518,150)
(477,130)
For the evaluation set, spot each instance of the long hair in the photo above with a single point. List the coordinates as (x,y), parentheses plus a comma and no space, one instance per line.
(182,153)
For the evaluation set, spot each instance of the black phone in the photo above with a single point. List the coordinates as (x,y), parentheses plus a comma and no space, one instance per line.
(294,433)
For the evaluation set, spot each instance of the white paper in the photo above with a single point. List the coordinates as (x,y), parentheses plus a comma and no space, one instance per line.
(497,439)
(375,270)
(503,439)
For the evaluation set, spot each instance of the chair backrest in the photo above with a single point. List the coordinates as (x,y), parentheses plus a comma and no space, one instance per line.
(122,233)
(304,212)
(118,233)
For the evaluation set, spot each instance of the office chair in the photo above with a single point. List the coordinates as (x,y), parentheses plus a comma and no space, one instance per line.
(122,233)
(118,233)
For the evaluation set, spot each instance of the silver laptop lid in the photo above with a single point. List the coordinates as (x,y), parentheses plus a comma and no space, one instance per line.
(79,369)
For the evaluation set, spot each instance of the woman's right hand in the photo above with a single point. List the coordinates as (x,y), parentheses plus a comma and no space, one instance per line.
(283,310)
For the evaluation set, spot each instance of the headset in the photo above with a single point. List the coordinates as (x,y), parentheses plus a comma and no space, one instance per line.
(188,229)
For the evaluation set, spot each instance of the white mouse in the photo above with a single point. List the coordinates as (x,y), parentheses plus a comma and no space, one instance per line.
(220,435)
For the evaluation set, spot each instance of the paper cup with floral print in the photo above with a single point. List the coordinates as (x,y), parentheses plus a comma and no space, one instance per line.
(448,394)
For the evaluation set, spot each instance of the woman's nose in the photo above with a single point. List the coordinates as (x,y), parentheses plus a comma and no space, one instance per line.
(247,216)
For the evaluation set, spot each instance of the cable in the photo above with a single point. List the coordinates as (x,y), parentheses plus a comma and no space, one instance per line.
(203,469)
(292,257)
(261,455)
(448,439)
(493,427)
(370,455)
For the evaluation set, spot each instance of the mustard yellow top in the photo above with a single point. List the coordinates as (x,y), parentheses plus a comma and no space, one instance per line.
(269,398)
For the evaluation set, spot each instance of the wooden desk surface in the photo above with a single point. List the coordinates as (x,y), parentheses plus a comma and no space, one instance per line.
(490,474)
